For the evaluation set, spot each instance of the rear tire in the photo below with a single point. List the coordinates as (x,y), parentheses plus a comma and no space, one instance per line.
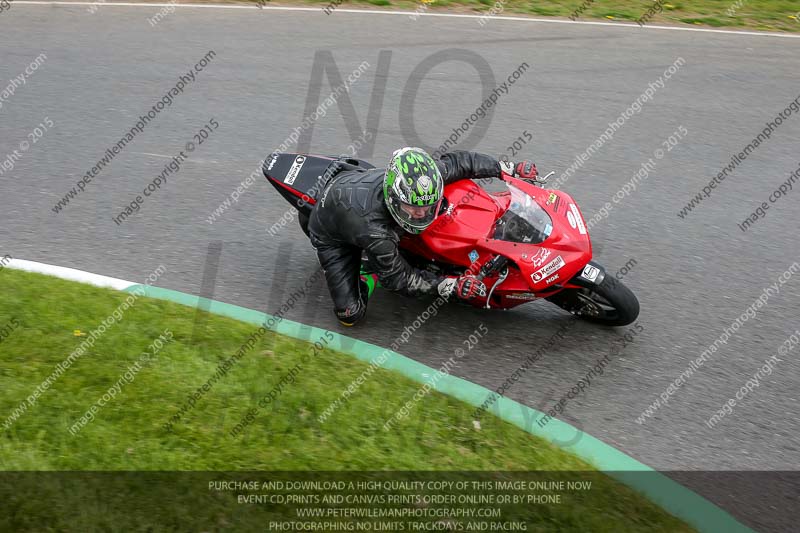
(611,303)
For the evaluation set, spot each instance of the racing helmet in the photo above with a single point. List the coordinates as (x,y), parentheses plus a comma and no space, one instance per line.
(413,189)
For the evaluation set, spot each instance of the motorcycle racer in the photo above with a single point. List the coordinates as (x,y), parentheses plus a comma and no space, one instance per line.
(366,211)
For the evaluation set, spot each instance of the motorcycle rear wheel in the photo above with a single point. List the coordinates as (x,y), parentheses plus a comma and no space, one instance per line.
(610,303)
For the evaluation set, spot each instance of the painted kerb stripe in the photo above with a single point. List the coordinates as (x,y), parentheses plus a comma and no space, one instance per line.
(671,496)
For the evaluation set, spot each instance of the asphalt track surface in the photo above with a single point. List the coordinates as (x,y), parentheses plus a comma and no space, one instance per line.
(693,276)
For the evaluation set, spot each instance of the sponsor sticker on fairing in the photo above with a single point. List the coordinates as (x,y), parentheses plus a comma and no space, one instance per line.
(590,272)
(522,296)
(578,218)
(473,256)
(571,219)
(295,169)
(552,198)
(548,270)
(551,279)
(540,257)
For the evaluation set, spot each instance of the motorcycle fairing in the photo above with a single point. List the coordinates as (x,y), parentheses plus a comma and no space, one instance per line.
(299,177)
(468,226)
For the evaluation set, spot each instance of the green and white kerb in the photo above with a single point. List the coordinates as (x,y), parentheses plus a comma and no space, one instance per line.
(413,188)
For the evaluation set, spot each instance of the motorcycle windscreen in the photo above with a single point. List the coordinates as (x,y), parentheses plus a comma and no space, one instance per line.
(525,221)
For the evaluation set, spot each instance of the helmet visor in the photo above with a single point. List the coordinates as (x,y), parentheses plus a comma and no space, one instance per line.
(418,217)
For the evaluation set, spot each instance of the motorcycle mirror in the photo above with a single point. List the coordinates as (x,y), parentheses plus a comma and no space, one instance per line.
(547,177)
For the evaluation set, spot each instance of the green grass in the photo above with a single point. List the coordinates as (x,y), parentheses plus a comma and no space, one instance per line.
(770,15)
(128,434)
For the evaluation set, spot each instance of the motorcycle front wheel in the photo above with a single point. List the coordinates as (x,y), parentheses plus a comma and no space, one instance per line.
(610,303)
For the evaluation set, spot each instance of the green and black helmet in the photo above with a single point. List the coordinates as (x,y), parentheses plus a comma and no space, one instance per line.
(413,188)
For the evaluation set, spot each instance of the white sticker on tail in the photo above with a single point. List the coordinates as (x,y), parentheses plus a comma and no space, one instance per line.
(295,169)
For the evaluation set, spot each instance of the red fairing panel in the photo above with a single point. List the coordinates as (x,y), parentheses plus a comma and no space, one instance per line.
(463,236)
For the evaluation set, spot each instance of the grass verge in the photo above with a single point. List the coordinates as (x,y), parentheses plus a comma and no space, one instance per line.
(763,15)
(40,317)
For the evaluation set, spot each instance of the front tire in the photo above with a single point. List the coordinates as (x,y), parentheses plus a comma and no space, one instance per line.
(610,303)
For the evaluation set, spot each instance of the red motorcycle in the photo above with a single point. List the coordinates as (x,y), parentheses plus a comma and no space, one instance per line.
(526,243)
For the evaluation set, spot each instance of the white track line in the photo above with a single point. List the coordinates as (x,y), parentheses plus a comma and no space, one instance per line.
(70,274)
(407,13)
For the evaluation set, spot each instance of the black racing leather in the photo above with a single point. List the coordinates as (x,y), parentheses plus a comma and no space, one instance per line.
(350,215)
